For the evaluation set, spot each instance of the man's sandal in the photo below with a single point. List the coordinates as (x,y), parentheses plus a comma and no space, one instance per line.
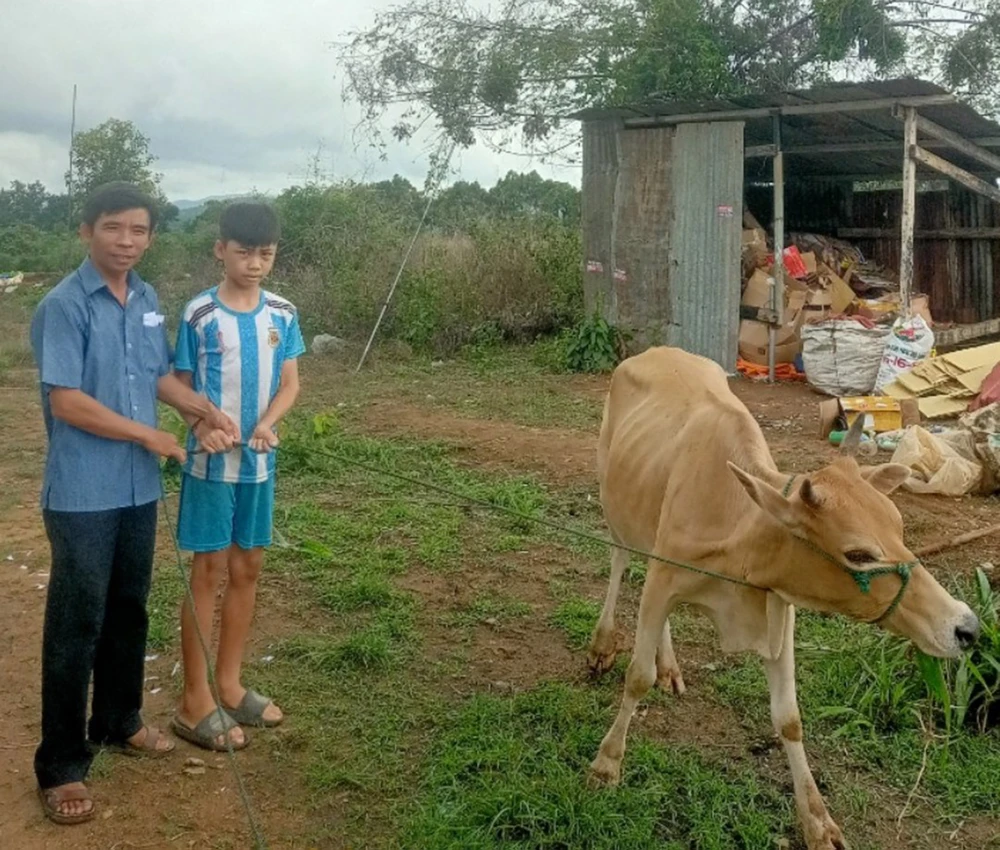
(52,798)
(208,731)
(147,748)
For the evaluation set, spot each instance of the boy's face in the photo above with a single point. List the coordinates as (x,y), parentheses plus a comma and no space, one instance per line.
(246,266)
(118,240)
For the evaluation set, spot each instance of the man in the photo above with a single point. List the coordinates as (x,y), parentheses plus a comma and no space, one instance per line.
(100,345)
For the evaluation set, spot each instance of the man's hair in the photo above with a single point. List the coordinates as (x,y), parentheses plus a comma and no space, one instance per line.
(251,224)
(118,197)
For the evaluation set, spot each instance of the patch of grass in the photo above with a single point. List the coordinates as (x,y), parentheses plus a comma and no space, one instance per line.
(576,618)
(512,773)
(490,607)
(164,604)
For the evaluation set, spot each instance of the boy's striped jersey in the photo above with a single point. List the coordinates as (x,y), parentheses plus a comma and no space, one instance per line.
(236,361)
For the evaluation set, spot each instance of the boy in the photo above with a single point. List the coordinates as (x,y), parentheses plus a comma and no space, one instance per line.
(101,349)
(238,345)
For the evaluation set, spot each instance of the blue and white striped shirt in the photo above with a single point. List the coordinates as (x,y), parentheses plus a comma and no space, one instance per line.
(236,360)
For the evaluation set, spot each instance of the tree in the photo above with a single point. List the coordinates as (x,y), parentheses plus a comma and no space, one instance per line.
(115,150)
(530,194)
(520,70)
(24,203)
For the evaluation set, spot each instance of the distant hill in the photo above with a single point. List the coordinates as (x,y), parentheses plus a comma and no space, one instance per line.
(190,210)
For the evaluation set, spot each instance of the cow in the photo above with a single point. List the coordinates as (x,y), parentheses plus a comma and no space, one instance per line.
(686,475)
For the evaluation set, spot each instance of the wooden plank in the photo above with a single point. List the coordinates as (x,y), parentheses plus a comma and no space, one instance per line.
(757,151)
(778,292)
(946,337)
(958,142)
(941,233)
(909,209)
(846,107)
(953,172)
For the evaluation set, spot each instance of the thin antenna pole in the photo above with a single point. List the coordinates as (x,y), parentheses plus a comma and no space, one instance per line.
(69,175)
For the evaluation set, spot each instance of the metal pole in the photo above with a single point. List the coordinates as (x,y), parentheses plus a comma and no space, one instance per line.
(69,174)
(909,208)
(778,272)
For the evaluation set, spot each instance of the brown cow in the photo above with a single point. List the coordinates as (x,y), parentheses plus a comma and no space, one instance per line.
(686,474)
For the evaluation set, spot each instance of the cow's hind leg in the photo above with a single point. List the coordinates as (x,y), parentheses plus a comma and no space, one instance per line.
(668,671)
(657,599)
(603,643)
(821,832)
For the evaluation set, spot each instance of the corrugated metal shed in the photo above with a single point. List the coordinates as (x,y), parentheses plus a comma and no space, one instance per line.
(859,130)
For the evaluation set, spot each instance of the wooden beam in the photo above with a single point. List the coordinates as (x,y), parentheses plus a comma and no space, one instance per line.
(946,337)
(759,151)
(943,233)
(846,107)
(909,209)
(953,172)
(959,143)
(778,292)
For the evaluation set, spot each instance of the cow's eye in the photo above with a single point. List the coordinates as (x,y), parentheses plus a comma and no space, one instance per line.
(859,556)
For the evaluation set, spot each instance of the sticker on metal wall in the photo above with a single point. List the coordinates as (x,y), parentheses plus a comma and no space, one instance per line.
(620,275)
(595,266)
(724,210)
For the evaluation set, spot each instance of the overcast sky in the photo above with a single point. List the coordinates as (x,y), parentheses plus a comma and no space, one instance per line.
(233,94)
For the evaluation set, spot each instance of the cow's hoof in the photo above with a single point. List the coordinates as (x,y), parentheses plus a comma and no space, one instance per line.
(826,835)
(671,681)
(601,657)
(604,772)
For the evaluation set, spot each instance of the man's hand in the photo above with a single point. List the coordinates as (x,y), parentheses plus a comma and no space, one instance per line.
(163,444)
(216,420)
(213,440)
(263,439)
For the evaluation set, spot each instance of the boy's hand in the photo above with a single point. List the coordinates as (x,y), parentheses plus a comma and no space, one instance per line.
(213,440)
(216,420)
(263,439)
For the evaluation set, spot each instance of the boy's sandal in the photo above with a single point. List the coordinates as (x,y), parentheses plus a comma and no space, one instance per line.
(217,724)
(146,749)
(52,798)
(250,711)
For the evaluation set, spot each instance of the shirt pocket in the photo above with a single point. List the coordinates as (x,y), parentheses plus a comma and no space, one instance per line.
(153,350)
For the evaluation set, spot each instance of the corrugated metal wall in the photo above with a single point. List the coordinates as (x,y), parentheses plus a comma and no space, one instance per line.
(662,213)
(705,226)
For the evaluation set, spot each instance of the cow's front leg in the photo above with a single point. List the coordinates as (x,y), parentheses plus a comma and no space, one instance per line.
(821,832)
(603,645)
(653,609)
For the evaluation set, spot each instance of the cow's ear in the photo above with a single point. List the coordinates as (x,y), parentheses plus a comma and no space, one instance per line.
(766,497)
(886,477)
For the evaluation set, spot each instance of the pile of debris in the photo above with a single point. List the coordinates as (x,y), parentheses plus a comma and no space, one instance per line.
(824,278)
(10,281)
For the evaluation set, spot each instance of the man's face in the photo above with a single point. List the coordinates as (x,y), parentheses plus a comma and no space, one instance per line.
(246,265)
(118,240)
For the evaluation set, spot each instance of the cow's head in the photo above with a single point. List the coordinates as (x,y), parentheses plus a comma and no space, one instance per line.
(850,557)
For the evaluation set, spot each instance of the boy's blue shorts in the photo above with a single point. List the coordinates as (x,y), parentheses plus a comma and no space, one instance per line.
(215,514)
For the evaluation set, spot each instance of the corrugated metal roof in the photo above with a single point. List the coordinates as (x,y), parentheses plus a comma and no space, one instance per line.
(798,130)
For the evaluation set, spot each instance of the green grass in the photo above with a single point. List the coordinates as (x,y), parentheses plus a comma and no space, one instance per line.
(512,772)
(862,700)
(576,618)
(491,609)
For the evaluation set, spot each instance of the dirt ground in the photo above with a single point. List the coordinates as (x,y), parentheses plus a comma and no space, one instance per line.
(155,804)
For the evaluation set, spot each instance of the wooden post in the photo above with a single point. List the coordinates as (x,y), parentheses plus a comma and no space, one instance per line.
(909,208)
(778,292)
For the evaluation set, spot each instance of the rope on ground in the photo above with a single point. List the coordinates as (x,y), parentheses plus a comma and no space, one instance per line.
(259,841)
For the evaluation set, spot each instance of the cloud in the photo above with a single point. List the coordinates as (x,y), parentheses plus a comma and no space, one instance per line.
(233,95)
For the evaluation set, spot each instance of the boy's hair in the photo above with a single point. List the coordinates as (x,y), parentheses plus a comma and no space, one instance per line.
(251,224)
(115,198)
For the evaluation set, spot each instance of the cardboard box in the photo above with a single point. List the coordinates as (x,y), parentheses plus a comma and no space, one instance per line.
(755,336)
(758,290)
(882,413)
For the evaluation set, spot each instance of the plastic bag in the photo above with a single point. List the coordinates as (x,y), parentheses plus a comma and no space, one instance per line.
(841,357)
(942,464)
(911,341)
